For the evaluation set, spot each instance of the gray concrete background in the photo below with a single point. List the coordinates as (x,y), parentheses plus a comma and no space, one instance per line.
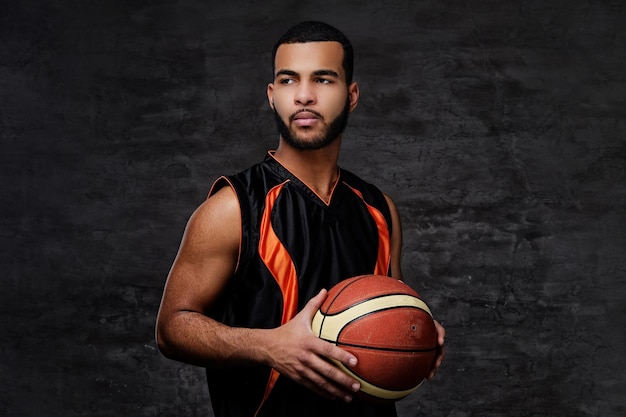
(498,127)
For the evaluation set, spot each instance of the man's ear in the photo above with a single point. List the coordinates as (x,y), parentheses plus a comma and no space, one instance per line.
(353,95)
(270,95)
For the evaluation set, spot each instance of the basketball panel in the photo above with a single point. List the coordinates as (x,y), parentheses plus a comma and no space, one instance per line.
(413,329)
(397,371)
(354,290)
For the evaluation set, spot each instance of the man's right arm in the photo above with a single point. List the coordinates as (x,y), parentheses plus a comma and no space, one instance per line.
(206,260)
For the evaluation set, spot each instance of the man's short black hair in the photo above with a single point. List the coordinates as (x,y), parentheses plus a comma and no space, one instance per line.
(312,31)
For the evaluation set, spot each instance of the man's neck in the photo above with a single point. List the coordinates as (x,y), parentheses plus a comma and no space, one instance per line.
(316,168)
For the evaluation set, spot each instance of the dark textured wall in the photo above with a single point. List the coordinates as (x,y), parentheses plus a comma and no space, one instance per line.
(498,127)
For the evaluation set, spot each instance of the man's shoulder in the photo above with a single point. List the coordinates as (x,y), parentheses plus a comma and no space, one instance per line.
(242,180)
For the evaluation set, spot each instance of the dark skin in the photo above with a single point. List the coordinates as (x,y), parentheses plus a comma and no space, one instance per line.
(308,76)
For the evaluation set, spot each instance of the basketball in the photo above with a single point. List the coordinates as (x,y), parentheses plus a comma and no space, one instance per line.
(387,326)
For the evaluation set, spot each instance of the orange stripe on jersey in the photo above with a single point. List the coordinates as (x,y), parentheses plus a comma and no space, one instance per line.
(277,259)
(383,261)
(279,263)
(274,374)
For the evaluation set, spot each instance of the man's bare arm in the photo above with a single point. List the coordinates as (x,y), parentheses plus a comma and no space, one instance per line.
(206,260)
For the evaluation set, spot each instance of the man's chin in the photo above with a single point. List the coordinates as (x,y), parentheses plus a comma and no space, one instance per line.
(308,142)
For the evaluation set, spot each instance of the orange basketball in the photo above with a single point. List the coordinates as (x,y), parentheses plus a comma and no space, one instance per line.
(387,326)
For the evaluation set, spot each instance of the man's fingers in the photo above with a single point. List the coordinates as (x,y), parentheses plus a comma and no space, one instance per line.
(327,390)
(330,370)
(441,333)
(330,351)
(441,352)
(329,378)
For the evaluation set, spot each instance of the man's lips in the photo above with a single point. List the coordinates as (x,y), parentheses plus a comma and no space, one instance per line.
(305,118)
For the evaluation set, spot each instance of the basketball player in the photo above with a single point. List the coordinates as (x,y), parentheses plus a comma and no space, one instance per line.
(257,256)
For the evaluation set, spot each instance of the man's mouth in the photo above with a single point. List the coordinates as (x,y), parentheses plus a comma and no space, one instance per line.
(305,118)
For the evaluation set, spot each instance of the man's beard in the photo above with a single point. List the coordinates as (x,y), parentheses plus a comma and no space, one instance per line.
(331,132)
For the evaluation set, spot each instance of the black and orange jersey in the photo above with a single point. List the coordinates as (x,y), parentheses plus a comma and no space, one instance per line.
(293,244)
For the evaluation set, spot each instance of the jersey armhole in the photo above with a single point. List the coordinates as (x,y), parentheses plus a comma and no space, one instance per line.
(244,255)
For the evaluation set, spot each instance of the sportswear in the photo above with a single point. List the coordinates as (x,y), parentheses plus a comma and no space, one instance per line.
(293,244)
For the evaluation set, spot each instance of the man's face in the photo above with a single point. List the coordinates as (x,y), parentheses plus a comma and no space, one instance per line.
(309,95)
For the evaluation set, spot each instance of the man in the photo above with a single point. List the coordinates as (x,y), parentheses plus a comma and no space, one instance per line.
(258,255)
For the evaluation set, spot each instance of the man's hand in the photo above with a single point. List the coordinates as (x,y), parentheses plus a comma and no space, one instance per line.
(298,354)
(441,336)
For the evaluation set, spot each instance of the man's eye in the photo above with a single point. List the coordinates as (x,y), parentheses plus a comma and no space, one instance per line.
(324,81)
(287,81)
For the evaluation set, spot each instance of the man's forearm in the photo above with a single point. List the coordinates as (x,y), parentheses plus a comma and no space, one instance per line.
(196,339)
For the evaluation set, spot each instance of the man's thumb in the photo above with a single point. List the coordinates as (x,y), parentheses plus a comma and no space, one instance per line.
(315,303)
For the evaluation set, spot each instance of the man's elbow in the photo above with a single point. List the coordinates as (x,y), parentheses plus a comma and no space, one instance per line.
(163,341)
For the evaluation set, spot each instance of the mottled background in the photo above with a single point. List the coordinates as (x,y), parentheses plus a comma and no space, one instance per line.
(497,126)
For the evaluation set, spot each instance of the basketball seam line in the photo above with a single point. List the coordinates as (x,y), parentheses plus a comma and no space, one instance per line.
(380,347)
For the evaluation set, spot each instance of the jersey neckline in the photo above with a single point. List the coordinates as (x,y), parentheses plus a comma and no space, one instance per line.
(281,170)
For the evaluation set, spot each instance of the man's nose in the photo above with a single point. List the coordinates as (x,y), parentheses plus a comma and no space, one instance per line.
(305,94)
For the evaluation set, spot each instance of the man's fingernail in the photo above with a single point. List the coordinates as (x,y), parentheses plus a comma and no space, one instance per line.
(347,398)
(356,386)
(352,361)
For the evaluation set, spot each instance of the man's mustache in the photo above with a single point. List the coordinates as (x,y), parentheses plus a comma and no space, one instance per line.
(317,114)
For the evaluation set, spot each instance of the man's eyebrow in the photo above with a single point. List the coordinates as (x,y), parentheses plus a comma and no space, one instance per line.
(286,72)
(329,73)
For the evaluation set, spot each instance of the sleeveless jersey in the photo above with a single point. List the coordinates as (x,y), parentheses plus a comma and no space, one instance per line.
(293,244)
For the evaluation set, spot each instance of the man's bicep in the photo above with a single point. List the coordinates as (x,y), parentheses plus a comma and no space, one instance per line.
(208,254)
